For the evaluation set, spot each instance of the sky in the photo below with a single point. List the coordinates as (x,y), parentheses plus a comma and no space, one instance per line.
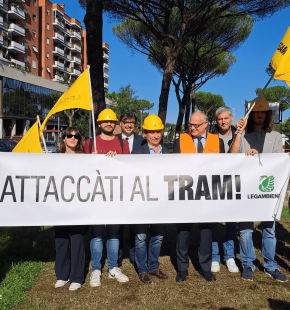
(238,85)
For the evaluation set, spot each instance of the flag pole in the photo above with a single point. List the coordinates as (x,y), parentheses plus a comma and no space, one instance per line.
(42,136)
(259,96)
(93,114)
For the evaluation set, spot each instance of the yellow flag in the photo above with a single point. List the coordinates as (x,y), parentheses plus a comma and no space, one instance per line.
(77,96)
(30,142)
(281,59)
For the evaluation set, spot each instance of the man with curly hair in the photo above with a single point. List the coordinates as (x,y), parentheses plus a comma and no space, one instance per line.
(259,137)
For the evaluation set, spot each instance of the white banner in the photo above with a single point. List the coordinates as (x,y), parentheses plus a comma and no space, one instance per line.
(65,189)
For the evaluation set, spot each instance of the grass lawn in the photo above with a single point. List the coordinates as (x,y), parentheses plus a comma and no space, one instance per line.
(31,249)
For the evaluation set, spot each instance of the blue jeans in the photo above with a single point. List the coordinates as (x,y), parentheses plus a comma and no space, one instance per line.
(96,245)
(141,248)
(228,244)
(247,251)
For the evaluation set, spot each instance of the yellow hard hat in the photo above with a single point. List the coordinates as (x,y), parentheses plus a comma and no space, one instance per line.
(153,122)
(107,115)
(261,105)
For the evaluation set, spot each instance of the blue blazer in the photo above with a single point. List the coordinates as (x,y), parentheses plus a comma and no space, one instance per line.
(138,141)
(144,149)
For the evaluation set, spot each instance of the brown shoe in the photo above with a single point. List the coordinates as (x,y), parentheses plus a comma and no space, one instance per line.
(144,277)
(159,274)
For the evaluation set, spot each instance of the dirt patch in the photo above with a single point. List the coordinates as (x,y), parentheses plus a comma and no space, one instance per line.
(228,292)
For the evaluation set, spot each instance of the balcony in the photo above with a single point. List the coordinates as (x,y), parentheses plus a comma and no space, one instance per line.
(56,22)
(15,13)
(106,66)
(1,40)
(67,69)
(18,63)
(58,51)
(105,56)
(77,48)
(58,65)
(3,23)
(67,44)
(77,60)
(68,31)
(16,30)
(3,5)
(106,85)
(106,75)
(57,78)
(76,35)
(76,72)
(58,37)
(19,1)
(16,47)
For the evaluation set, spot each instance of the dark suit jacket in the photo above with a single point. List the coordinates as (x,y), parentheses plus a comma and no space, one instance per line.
(138,141)
(176,146)
(144,149)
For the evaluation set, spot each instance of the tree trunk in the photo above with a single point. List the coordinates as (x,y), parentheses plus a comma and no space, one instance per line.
(180,117)
(193,100)
(94,28)
(166,81)
(187,110)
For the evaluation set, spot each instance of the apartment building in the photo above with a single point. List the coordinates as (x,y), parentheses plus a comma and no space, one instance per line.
(37,36)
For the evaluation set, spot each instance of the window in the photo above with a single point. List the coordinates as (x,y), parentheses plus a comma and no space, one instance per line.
(34,33)
(47,11)
(33,64)
(26,45)
(26,61)
(34,17)
(47,55)
(25,11)
(47,41)
(47,69)
(34,49)
(34,2)
(47,26)
(26,28)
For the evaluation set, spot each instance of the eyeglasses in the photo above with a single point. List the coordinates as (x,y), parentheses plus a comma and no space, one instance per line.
(132,123)
(69,136)
(196,125)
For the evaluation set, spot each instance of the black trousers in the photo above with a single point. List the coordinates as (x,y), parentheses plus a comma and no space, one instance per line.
(205,246)
(65,268)
(97,231)
(132,244)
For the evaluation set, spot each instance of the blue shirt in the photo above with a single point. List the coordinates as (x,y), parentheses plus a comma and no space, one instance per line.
(151,150)
(202,140)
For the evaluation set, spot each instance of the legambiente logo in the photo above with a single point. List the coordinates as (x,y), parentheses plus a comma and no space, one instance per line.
(267,184)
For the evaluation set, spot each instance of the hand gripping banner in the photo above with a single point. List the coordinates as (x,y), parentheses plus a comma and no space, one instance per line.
(81,189)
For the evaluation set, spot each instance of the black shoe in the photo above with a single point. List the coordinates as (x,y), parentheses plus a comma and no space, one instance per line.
(209,276)
(181,276)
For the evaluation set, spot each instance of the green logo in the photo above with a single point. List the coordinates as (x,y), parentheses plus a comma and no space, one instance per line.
(267,183)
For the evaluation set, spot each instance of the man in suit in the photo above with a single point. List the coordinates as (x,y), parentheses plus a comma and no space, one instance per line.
(196,141)
(128,122)
(153,133)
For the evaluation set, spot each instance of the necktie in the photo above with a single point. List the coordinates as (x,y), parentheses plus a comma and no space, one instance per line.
(199,145)
(127,139)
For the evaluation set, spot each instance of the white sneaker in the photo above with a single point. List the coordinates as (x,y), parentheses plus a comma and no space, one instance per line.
(116,273)
(95,279)
(75,286)
(215,266)
(60,283)
(231,265)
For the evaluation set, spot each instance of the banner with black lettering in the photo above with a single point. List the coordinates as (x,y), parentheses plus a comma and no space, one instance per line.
(81,189)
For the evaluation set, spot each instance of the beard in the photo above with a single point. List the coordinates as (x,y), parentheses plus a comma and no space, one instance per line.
(108,129)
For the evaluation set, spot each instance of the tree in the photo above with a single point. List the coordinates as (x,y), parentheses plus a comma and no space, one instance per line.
(279,94)
(126,101)
(194,18)
(209,103)
(94,36)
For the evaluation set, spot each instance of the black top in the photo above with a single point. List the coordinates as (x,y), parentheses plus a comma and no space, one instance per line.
(137,142)
(144,149)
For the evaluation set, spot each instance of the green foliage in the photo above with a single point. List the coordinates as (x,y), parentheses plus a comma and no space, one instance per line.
(279,94)
(285,213)
(208,103)
(285,127)
(125,101)
(54,96)
(17,281)
(81,122)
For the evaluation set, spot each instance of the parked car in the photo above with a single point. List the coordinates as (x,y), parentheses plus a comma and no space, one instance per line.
(51,147)
(7,145)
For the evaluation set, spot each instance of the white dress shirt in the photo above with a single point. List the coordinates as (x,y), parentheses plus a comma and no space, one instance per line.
(130,141)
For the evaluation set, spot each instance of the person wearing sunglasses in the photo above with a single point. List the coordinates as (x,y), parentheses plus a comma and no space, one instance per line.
(108,144)
(128,122)
(198,140)
(70,267)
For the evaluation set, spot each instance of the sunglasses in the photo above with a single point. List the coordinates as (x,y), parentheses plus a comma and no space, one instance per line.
(75,136)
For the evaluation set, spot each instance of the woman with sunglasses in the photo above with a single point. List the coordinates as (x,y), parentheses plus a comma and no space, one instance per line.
(70,268)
